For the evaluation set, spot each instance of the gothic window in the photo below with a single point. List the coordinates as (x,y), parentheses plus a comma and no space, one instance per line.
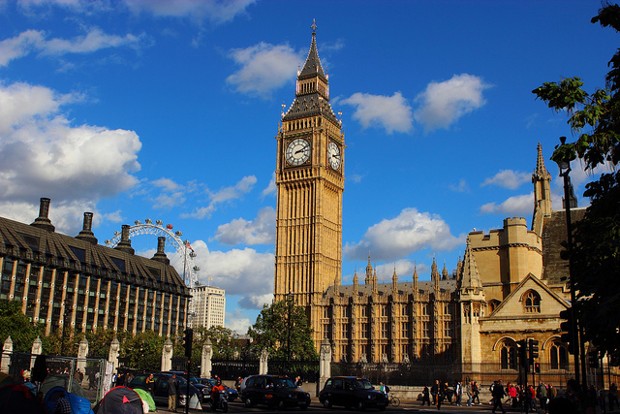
(404,310)
(425,309)
(364,312)
(558,355)
(384,310)
(385,330)
(508,355)
(531,301)
(404,329)
(364,331)
(425,330)
(345,330)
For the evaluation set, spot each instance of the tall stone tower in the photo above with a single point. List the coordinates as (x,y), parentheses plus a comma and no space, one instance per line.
(310,184)
(542,193)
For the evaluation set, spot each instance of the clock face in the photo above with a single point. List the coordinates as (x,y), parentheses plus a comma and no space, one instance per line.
(333,155)
(298,152)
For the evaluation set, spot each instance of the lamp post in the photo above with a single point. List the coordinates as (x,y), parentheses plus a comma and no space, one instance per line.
(564,166)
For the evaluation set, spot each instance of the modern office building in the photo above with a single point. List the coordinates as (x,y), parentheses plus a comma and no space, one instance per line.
(209,306)
(64,281)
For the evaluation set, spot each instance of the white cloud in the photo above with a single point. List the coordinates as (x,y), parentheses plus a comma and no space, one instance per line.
(409,232)
(33,41)
(391,113)
(271,187)
(444,103)
(45,155)
(224,195)
(238,322)
(521,205)
(508,179)
(218,11)
(264,68)
(241,272)
(460,187)
(240,231)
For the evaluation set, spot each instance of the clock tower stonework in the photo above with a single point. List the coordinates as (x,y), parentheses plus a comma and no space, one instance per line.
(310,184)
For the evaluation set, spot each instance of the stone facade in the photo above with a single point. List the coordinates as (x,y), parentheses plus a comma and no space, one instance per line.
(504,290)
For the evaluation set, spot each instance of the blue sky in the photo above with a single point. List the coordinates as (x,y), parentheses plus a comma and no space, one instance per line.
(168,109)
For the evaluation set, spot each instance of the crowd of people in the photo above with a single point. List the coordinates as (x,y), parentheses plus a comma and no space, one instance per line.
(525,398)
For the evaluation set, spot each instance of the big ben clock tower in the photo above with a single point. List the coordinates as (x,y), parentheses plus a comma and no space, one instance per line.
(310,183)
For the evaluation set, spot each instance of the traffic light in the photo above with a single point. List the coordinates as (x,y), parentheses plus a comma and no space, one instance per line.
(522,344)
(187,342)
(566,326)
(533,343)
(593,359)
(537,368)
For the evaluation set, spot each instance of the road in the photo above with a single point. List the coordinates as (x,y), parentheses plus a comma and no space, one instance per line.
(316,408)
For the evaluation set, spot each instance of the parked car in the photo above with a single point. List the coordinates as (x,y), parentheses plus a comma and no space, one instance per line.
(160,387)
(352,392)
(273,391)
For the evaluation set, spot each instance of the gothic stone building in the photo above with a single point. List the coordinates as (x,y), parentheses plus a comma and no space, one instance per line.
(508,286)
(63,281)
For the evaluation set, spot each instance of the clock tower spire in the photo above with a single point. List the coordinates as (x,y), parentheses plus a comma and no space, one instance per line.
(310,184)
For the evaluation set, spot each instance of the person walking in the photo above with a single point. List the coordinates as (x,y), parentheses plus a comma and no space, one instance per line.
(426,396)
(469,393)
(498,393)
(476,393)
(435,391)
(541,394)
(458,392)
(173,390)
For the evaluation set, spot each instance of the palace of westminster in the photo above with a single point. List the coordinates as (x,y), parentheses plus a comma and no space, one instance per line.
(509,285)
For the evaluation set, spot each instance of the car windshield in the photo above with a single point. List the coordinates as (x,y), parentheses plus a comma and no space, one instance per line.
(284,383)
(363,384)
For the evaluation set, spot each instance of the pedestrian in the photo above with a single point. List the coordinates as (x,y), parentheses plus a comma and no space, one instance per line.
(426,396)
(541,394)
(173,390)
(441,395)
(613,396)
(476,393)
(458,392)
(469,393)
(498,393)
(435,391)
(150,383)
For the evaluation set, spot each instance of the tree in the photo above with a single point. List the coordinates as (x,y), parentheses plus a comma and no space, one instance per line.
(143,351)
(595,117)
(15,324)
(279,325)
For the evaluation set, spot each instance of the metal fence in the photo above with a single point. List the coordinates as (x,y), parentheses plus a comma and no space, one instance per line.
(231,369)
(425,373)
(86,378)
(307,370)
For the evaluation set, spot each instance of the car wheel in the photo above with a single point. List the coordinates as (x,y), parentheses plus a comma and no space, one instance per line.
(327,403)
(248,402)
(361,406)
(303,407)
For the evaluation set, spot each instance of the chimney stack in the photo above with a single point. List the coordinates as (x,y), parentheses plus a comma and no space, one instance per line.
(87,229)
(43,221)
(160,256)
(125,244)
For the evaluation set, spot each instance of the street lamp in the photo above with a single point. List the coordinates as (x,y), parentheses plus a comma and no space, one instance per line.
(564,166)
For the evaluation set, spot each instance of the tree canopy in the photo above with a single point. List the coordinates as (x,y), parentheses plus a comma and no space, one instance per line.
(279,325)
(595,119)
